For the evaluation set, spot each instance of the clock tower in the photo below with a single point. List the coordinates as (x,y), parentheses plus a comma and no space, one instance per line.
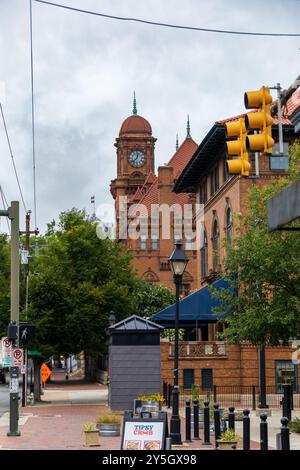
(135,156)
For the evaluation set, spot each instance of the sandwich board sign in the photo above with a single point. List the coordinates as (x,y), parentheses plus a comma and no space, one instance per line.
(6,352)
(143,433)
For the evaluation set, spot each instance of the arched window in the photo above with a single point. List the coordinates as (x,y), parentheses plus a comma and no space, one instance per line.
(229,225)
(216,253)
(204,255)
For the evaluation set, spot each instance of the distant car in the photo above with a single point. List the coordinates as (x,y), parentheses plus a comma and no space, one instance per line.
(2,375)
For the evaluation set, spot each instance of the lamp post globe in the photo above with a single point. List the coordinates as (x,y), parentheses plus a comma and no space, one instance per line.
(112,318)
(178,261)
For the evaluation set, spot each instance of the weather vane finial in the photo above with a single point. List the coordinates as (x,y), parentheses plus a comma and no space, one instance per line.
(134,110)
(177,145)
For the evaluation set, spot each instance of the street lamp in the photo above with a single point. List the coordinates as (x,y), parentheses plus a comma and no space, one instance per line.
(112,318)
(178,261)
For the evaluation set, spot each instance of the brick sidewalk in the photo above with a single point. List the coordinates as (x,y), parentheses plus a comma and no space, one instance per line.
(59,428)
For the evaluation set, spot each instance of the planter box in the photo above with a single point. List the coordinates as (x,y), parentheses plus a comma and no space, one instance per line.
(91,438)
(227,445)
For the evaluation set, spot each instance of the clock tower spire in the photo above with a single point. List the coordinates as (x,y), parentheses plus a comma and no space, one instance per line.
(135,155)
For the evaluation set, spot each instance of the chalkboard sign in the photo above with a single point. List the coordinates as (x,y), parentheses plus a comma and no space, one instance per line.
(143,433)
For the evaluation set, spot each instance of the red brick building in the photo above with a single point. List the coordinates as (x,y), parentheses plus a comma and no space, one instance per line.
(136,179)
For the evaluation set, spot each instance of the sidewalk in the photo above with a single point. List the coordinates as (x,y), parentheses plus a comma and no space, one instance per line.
(56,423)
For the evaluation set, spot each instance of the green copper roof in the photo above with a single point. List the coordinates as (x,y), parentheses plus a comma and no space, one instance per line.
(134,110)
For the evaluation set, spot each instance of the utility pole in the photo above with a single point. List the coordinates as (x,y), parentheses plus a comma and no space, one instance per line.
(13,214)
(25,261)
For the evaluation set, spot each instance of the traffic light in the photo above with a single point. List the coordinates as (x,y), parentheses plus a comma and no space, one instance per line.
(237,147)
(260,120)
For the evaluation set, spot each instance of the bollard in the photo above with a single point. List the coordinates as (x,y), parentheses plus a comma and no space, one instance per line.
(285,434)
(263,432)
(165,391)
(246,430)
(217,423)
(286,402)
(196,419)
(169,396)
(253,398)
(231,417)
(188,421)
(206,424)
(168,443)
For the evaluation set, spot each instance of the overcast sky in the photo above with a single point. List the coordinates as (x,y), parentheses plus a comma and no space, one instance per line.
(85,71)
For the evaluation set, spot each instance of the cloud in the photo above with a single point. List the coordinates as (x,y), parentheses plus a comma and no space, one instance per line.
(85,71)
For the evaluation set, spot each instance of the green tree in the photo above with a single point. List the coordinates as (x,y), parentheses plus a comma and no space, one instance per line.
(76,280)
(151,298)
(264,267)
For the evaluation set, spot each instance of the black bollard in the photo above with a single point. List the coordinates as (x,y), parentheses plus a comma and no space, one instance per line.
(206,424)
(285,434)
(217,423)
(196,419)
(286,402)
(263,432)
(246,430)
(169,396)
(188,421)
(231,417)
(165,391)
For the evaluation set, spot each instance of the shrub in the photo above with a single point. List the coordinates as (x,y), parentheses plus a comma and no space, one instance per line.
(154,397)
(294,425)
(228,436)
(89,426)
(109,418)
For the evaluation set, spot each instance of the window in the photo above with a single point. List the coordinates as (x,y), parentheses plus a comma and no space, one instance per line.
(204,255)
(207,379)
(188,243)
(203,192)
(214,180)
(143,242)
(216,254)
(188,378)
(285,372)
(229,225)
(154,241)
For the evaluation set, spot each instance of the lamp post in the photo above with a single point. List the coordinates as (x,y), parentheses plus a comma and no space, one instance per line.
(178,261)
(111,320)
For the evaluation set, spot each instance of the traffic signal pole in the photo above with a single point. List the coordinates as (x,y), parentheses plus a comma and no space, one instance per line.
(13,214)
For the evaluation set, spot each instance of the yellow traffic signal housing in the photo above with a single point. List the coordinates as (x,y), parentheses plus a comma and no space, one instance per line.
(237,147)
(261,120)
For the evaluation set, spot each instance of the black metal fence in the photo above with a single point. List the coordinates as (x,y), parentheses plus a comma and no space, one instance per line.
(241,396)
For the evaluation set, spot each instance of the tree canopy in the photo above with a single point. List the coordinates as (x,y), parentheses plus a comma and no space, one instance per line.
(265,269)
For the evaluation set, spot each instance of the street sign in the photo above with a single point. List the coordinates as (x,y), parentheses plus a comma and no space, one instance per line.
(46,373)
(23,369)
(6,352)
(18,357)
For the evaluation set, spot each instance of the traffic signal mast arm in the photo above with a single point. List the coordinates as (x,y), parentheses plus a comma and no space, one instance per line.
(237,148)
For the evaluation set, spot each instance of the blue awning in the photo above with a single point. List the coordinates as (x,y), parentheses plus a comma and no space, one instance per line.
(194,310)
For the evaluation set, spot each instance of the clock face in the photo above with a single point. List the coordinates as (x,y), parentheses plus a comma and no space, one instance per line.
(136,158)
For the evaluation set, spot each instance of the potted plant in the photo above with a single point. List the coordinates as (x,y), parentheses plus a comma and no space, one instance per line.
(109,424)
(152,403)
(228,440)
(91,434)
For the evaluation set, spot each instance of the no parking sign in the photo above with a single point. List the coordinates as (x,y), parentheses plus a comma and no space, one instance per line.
(18,357)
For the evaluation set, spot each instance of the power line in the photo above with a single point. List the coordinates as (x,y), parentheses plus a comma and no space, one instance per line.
(167,25)
(12,157)
(5,206)
(32,119)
